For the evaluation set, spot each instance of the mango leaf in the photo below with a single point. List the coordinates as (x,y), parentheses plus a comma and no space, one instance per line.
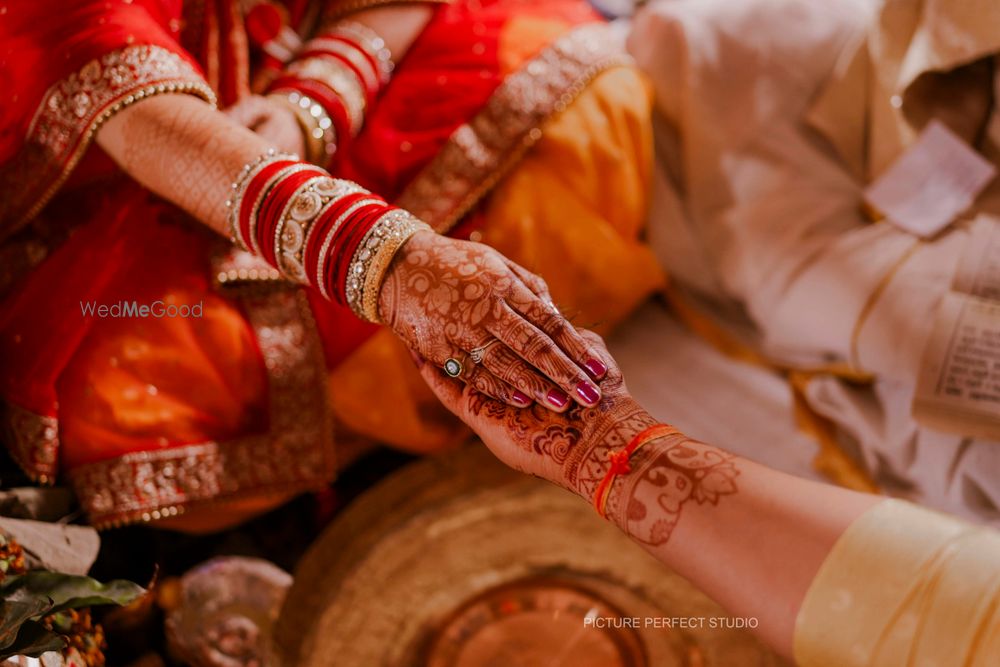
(68,591)
(14,613)
(33,640)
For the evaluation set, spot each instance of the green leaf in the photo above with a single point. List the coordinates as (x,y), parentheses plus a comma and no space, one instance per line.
(68,591)
(14,613)
(33,640)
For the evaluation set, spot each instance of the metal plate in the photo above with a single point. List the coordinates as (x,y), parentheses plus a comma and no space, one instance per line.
(460,562)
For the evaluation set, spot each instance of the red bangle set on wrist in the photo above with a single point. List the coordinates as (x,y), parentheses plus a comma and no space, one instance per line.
(331,84)
(620,462)
(318,230)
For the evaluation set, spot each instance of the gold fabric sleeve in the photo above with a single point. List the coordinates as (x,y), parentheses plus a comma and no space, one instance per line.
(904,586)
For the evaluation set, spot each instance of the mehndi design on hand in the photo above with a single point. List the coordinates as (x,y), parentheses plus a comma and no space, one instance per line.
(446,298)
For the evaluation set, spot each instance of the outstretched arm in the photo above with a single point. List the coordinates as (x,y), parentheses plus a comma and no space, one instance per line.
(443,297)
(750,537)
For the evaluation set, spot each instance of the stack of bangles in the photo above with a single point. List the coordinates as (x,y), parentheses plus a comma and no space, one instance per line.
(620,462)
(332,82)
(318,230)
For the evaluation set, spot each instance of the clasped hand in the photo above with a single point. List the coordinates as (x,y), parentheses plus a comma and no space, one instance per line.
(465,307)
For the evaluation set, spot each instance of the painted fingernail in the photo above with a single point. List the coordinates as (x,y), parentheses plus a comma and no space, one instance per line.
(520,398)
(588,393)
(596,368)
(557,398)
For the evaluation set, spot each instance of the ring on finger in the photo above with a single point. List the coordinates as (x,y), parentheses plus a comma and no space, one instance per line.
(453,367)
(477,354)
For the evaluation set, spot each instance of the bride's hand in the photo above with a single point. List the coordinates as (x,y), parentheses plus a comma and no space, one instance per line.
(463,301)
(569,449)
(270,119)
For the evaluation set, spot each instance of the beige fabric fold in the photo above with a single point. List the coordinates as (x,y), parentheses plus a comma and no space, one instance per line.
(904,586)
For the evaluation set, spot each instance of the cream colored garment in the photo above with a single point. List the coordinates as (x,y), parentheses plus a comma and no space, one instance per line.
(763,155)
(904,586)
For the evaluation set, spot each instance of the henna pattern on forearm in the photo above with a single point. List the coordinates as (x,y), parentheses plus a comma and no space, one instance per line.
(184,151)
(443,296)
(648,502)
(573,449)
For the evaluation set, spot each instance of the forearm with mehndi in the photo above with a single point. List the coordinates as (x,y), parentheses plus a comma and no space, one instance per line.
(666,474)
(182,149)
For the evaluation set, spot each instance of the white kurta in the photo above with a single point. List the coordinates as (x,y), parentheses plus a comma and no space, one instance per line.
(773,116)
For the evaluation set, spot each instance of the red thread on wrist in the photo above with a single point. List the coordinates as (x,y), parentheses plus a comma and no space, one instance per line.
(621,462)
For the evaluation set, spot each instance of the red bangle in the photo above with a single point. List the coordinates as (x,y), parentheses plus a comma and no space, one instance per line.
(252,195)
(367,55)
(620,462)
(369,83)
(363,220)
(329,99)
(270,210)
(321,228)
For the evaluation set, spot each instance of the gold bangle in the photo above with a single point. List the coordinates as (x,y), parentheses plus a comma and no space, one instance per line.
(295,229)
(372,258)
(317,127)
(302,206)
(274,180)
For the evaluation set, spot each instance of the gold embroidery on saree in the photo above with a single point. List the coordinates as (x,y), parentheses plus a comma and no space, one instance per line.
(480,152)
(295,455)
(71,113)
(33,441)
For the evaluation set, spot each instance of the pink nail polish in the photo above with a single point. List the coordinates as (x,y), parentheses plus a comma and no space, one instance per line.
(521,398)
(557,398)
(588,393)
(596,368)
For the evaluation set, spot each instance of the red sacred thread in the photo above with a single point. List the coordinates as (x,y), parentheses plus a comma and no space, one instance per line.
(620,462)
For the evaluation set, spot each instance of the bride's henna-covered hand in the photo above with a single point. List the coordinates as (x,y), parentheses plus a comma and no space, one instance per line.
(446,298)
(573,449)
(274,122)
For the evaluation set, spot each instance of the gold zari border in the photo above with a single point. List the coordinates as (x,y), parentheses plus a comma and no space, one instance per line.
(72,111)
(32,440)
(295,455)
(480,152)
